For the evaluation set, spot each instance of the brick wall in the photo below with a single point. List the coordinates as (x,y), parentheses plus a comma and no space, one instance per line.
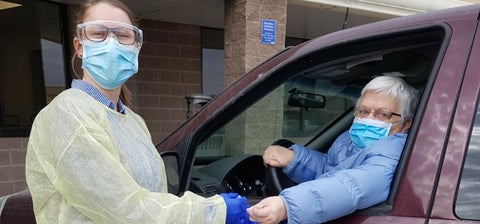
(12,165)
(170,69)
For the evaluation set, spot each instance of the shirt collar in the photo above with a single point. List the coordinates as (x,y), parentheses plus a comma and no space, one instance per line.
(97,95)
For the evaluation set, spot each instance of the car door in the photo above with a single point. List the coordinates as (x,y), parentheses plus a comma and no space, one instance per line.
(458,184)
(427,178)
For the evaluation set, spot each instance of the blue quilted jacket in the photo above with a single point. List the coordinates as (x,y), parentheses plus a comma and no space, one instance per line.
(341,181)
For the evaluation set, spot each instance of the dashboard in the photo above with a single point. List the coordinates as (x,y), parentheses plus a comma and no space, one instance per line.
(243,174)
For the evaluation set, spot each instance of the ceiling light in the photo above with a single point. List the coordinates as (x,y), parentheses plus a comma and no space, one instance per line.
(7,5)
(393,7)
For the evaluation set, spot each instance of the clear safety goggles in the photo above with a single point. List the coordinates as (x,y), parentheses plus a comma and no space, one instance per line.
(99,30)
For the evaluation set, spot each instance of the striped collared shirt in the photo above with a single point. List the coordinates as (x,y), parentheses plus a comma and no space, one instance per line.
(96,94)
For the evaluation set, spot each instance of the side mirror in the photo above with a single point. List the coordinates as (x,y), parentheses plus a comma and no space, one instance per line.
(305,100)
(170,159)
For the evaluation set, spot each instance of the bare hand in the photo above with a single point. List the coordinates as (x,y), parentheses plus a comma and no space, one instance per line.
(277,156)
(268,211)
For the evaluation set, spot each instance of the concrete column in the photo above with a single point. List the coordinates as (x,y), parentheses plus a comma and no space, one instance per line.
(243,49)
(253,130)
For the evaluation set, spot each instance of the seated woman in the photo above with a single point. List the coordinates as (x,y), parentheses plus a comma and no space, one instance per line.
(356,172)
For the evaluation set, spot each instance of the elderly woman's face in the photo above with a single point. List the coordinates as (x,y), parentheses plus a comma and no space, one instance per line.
(376,102)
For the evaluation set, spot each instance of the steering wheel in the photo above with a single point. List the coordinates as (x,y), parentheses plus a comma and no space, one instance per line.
(275,179)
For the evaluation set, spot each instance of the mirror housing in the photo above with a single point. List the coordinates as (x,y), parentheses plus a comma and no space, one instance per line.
(170,159)
(305,100)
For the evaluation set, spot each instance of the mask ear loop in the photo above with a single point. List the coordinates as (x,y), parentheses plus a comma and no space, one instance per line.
(74,57)
(72,65)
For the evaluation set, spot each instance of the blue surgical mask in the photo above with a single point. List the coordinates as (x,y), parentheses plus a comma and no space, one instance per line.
(109,63)
(365,131)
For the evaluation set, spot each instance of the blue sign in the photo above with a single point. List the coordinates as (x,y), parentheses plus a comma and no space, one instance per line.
(269,31)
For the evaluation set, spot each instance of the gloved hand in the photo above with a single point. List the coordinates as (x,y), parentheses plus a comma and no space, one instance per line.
(236,208)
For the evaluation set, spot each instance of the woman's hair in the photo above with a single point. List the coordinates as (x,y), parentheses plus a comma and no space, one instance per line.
(125,93)
(399,89)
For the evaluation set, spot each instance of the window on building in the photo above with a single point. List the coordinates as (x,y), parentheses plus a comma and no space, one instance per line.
(212,61)
(32,62)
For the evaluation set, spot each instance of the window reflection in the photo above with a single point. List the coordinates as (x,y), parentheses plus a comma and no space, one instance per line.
(32,65)
(468,197)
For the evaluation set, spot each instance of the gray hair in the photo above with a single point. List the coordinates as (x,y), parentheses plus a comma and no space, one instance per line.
(399,89)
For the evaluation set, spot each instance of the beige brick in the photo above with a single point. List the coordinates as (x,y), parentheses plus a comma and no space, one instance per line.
(253,12)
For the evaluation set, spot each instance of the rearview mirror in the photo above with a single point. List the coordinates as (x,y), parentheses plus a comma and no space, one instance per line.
(299,98)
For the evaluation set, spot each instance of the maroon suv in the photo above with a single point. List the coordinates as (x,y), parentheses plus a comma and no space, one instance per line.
(306,94)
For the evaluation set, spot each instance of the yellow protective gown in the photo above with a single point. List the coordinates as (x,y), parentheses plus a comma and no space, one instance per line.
(87,163)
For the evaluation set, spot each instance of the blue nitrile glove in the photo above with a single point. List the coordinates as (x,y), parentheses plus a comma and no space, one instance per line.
(236,208)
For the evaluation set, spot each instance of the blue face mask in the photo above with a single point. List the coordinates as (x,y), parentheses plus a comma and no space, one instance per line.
(109,63)
(365,131)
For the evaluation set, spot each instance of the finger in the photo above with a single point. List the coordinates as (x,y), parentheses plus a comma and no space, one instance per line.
(251,216)
(260,213)
(267,162)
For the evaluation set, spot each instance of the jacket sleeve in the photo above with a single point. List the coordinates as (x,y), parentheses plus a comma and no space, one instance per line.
(305,165)
(308,164)
(342,191)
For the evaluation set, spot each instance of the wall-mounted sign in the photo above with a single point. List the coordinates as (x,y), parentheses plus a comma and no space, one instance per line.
(268,32)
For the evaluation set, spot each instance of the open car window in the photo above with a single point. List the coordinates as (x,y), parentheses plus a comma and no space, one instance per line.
(318,99)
